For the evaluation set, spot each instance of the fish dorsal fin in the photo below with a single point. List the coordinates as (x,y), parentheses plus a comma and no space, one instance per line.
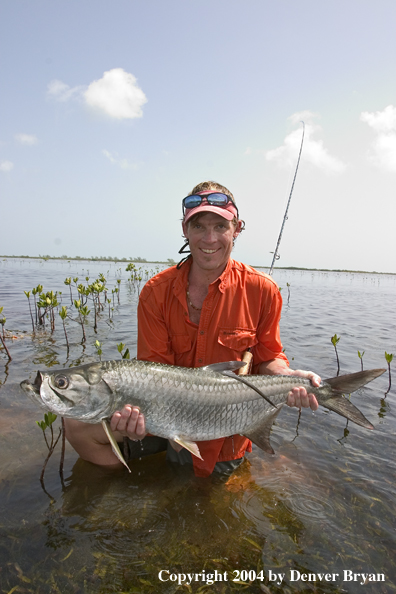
(191,446)
(243,380)
(225,366)
(113,443)
(260,434)
(346,384)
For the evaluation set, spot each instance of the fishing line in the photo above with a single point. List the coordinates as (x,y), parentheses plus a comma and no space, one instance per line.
(276,254)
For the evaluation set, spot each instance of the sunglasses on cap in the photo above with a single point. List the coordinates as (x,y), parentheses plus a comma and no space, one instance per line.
(214,199)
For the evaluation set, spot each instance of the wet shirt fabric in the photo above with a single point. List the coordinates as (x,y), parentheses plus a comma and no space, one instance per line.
(241,310)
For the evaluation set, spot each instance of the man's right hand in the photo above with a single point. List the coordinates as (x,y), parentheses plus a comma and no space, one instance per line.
(129,422)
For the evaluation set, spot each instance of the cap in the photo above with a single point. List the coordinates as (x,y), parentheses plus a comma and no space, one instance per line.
(228,212)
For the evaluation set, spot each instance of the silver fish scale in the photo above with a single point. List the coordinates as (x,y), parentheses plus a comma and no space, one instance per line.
(201,404)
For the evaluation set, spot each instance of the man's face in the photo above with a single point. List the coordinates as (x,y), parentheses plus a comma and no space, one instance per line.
(211,240)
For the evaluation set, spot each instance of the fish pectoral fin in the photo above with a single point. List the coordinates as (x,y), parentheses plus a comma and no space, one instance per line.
(225,366)
(260,434)
(243,379)
(345,408)
(191,446)
(113,443)
(176,446)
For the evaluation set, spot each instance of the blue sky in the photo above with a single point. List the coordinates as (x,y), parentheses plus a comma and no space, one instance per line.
(111,112)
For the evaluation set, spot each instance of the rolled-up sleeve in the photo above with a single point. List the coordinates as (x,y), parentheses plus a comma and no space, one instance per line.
(153,337)
(269,344)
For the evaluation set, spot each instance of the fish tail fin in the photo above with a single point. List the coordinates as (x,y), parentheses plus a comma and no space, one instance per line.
(346,384)
(260,434)
(345,408)
(353,381)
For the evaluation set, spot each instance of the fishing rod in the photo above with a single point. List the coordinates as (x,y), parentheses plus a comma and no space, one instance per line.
(276,255)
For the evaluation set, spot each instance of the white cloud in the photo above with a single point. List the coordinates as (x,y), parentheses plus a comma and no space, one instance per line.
(383,150)
(62,92)
(123,163)
(109,156)
(313,150)
(28,139)
(116,94)
(6,165)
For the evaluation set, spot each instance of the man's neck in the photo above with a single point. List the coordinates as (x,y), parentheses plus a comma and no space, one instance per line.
(203,278)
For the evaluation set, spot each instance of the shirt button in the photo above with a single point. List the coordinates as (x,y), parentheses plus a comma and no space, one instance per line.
(199,360)
(202,332)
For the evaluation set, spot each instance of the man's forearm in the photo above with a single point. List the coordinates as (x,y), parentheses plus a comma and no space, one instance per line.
(274,367)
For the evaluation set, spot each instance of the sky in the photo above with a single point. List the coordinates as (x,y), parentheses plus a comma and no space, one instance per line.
(112,111)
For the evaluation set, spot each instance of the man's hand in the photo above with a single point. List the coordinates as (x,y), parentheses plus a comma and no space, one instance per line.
(129,422)
(299,397)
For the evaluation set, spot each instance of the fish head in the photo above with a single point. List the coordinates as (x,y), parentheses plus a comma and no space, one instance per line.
(79,393)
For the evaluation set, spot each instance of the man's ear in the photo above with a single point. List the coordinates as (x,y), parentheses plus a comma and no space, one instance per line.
(239,228)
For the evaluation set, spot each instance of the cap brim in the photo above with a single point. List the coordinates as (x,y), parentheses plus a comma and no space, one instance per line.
(223,212)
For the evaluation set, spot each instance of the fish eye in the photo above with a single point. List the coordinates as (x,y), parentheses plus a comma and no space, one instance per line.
(61,382)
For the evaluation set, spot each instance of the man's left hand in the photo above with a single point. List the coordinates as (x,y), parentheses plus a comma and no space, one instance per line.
(299,397)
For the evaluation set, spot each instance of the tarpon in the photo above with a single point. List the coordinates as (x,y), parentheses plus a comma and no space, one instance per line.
(186,405)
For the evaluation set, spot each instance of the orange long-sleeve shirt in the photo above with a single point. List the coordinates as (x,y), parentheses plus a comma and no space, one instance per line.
(241,310)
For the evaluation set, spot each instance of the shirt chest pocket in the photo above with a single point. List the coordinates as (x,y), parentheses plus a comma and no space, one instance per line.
(237,339)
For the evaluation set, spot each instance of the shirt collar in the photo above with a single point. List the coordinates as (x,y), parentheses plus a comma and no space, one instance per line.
(179,288)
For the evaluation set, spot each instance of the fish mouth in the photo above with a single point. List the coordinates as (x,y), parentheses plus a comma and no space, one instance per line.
(37,382)
(33,387)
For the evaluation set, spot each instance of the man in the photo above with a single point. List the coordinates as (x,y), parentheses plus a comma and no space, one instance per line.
(208,309)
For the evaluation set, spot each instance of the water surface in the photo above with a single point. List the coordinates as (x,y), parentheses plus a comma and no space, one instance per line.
(325,503)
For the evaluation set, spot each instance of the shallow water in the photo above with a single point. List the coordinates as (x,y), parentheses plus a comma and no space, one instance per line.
(325,503)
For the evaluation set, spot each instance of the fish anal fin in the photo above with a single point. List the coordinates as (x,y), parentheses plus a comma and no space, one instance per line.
(113,443)
(260,433)
(346,384)
(345,408)
(191,446)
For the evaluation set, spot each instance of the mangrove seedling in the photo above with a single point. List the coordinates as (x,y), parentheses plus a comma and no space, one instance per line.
(35,291)
(335,340)
(360,355)
(119,287)
(98,347)
(288,293)
(389,357)
(63,315)
(67,281)
(48,301)
(2,335)
(120,348)
(49,418)
(77,305)
(27,293)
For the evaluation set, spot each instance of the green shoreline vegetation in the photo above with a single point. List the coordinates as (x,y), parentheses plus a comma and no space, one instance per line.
(172,262)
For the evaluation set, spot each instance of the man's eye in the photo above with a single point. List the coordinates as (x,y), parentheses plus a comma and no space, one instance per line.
(61,382)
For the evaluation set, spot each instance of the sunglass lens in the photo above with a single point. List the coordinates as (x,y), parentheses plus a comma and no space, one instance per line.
(192,201)
(218,199)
